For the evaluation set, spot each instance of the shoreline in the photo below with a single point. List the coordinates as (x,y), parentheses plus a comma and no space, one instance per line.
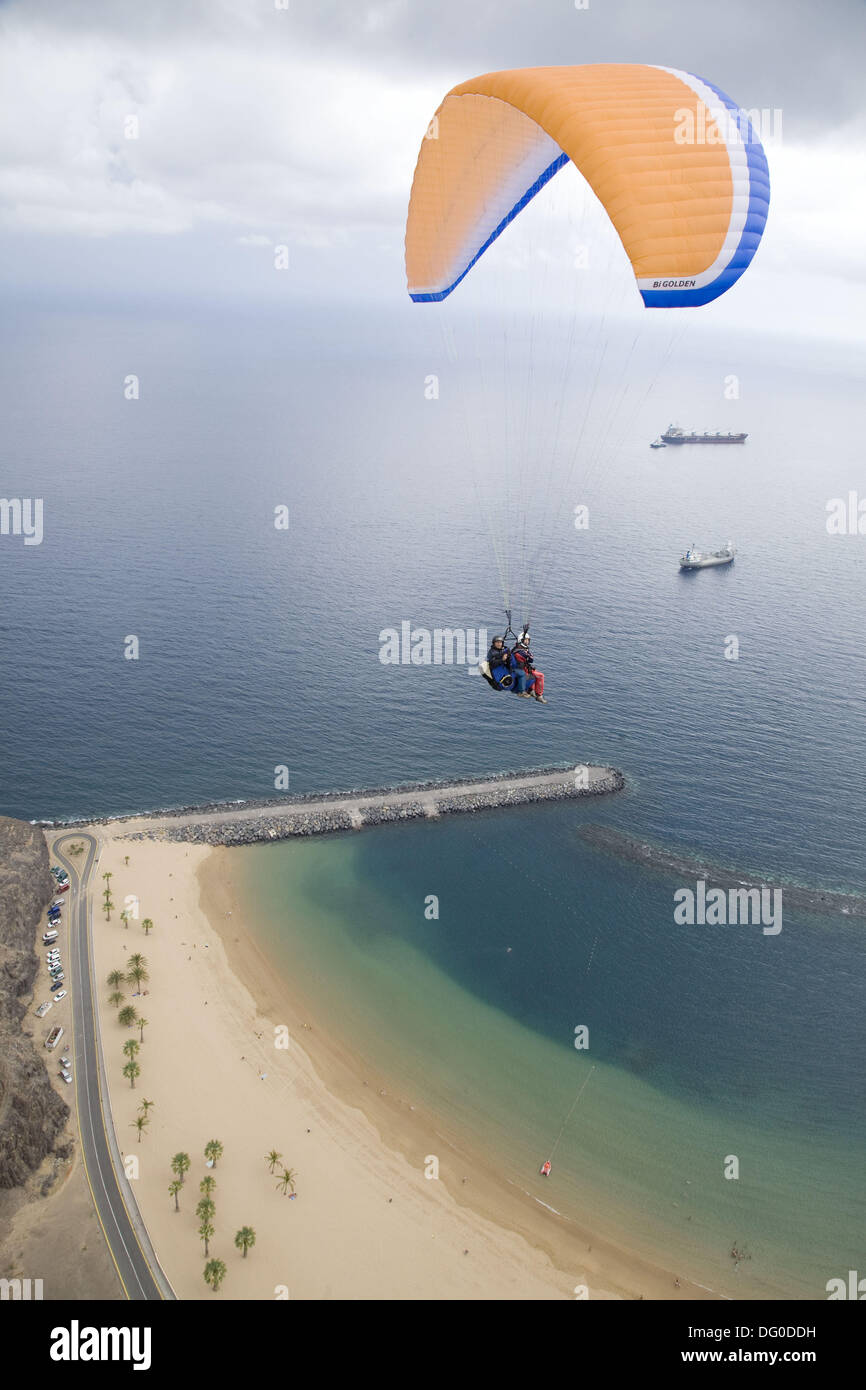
(576,1252)
(210,1064)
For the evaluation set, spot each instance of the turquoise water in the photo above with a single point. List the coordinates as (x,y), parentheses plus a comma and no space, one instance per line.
(474,1014)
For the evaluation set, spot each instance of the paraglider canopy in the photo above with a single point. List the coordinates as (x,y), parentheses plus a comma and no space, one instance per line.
(672,159)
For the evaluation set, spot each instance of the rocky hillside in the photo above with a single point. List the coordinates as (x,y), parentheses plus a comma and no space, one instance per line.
(31,1113)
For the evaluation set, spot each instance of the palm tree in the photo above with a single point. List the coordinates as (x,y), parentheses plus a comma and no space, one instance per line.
(132,1070)
(142,1024)
(272,1159)
(174,1188)
(148,925)
(126,859)
(130,1048)
(108,904)
(180,1164)
(205,1209)
(140,1123)
(147,1105)
(115,999)
(213,1149)
(108,877)
(127,1016)
(205,1230)
(114,979)
(137,969)
(214,1273)
(286,1180)
(124,917)
(245,1239)
(207,1185)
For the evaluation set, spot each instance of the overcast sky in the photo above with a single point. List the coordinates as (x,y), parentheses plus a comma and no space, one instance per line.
(262,125)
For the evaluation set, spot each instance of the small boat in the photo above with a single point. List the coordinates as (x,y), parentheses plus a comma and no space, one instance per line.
(545,1169)
(658,443)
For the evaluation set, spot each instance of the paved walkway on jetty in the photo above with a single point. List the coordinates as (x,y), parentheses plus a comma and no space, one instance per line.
(247,823)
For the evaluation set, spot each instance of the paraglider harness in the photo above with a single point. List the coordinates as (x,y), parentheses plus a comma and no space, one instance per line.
(501,677)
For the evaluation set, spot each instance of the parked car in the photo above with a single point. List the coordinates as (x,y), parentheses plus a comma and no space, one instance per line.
(48,937)
(62,995)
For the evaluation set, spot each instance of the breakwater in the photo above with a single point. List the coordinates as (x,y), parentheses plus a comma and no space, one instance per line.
(332,812)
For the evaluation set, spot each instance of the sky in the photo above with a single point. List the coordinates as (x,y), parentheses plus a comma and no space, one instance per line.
(298,123)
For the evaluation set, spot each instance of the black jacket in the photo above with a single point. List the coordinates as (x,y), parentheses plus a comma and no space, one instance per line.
(498,656)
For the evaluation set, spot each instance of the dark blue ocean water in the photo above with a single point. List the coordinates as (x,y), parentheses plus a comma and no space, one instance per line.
(260,647)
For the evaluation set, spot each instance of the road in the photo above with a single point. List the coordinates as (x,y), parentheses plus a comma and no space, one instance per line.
(134,1259)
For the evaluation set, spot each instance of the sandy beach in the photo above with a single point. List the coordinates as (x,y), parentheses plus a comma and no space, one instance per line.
(366,1222)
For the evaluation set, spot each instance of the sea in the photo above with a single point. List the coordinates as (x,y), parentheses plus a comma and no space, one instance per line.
(239,505)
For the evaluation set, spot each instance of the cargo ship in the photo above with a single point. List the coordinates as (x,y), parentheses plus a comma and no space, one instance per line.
(695,560)
(674,435)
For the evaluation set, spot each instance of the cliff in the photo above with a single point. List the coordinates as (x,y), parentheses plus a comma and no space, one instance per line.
(31,1113)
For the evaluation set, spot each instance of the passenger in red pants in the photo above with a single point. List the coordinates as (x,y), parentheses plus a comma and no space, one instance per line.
(521,658)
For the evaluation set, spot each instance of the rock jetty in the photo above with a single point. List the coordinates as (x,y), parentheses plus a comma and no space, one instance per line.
(333,812)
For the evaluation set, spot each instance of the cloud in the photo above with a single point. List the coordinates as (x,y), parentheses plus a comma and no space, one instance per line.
(230,124)
(102,137)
